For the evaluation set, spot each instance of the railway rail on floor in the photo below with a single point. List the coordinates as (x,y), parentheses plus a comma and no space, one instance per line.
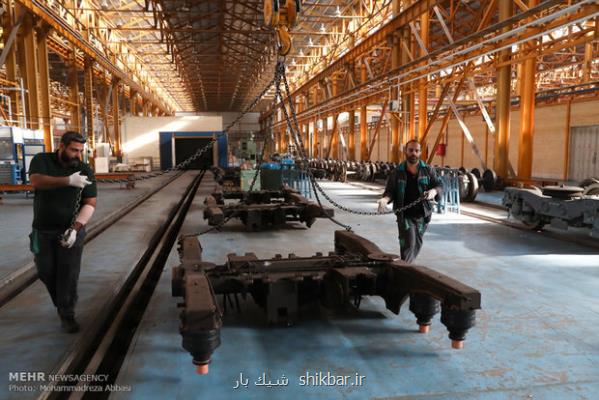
(17,281)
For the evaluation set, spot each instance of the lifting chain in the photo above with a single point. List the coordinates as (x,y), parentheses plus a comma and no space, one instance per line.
(182,164)
(275,81)
(298,141)
(200,151)
(63,236)
(294,128)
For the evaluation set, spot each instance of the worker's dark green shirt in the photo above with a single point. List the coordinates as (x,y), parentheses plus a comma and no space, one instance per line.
(53,208)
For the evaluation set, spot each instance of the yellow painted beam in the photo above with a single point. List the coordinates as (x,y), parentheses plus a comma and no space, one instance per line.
(504,75)
(88,93)
(423,87)
(527,112)
(11,61)
(44,89)
(116,120)
(75,121)
(352,135)
(28,68)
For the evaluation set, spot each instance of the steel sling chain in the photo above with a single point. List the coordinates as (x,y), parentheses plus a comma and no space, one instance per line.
(275,81)
(179,166)
(299,145)
(315,184)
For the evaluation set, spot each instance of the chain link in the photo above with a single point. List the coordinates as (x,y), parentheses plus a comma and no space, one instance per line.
(182,164)
(293,126)
(299,143)
(200,151)
(63,236)
(275,81)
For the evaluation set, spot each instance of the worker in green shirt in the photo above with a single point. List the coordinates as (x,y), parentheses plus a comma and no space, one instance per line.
(65,200)
(412,181)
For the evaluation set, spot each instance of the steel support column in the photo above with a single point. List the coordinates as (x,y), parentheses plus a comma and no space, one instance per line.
(587,65)
(334,142)
(75,120)
(407,100)
(567,139)
(28,68)
(395,62)
(527,112)
(504,75)
(352,135)
(44,87)
(116,128)
(88,92)
(11,60)
(102,99)
(306,138)
(132,102)
(363,125)
(422,91)
(315,142)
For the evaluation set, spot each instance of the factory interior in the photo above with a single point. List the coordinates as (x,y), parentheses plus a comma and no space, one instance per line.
(299,199)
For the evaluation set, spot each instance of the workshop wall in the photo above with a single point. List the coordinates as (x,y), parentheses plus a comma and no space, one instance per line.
(549,138)
(141,134)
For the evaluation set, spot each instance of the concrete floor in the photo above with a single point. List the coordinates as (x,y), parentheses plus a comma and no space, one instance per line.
(535,336)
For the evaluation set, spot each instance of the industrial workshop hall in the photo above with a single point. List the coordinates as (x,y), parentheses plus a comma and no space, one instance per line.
(299,199)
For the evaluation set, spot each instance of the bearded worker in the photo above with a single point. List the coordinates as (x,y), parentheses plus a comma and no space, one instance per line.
(65,188)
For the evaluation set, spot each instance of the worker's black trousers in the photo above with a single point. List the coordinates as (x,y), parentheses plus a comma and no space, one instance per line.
(411,230)
(58,268)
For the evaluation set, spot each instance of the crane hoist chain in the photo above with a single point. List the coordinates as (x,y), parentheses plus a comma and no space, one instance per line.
(293,126)
(184,163)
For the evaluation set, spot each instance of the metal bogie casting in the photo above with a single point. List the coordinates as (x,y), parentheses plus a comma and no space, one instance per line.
(561,207)
(283,285)
(263,208)
(201,318)
(424,307)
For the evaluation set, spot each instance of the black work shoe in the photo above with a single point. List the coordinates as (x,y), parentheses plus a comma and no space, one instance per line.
(69,325)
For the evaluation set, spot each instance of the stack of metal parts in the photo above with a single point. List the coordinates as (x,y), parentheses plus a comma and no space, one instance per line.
(281,286)
(469,182)
(452,190)
(263,208)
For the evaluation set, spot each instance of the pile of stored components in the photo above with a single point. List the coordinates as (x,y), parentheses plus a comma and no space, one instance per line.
(470,182)
(281,286)
(559,206)
(262,209)
(341,170)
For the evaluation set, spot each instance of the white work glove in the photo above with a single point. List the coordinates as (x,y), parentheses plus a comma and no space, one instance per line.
(78,180)
(430,195)
(68,238)
(383,204)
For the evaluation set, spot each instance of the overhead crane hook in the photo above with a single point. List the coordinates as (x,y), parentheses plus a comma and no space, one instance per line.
(282,16)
